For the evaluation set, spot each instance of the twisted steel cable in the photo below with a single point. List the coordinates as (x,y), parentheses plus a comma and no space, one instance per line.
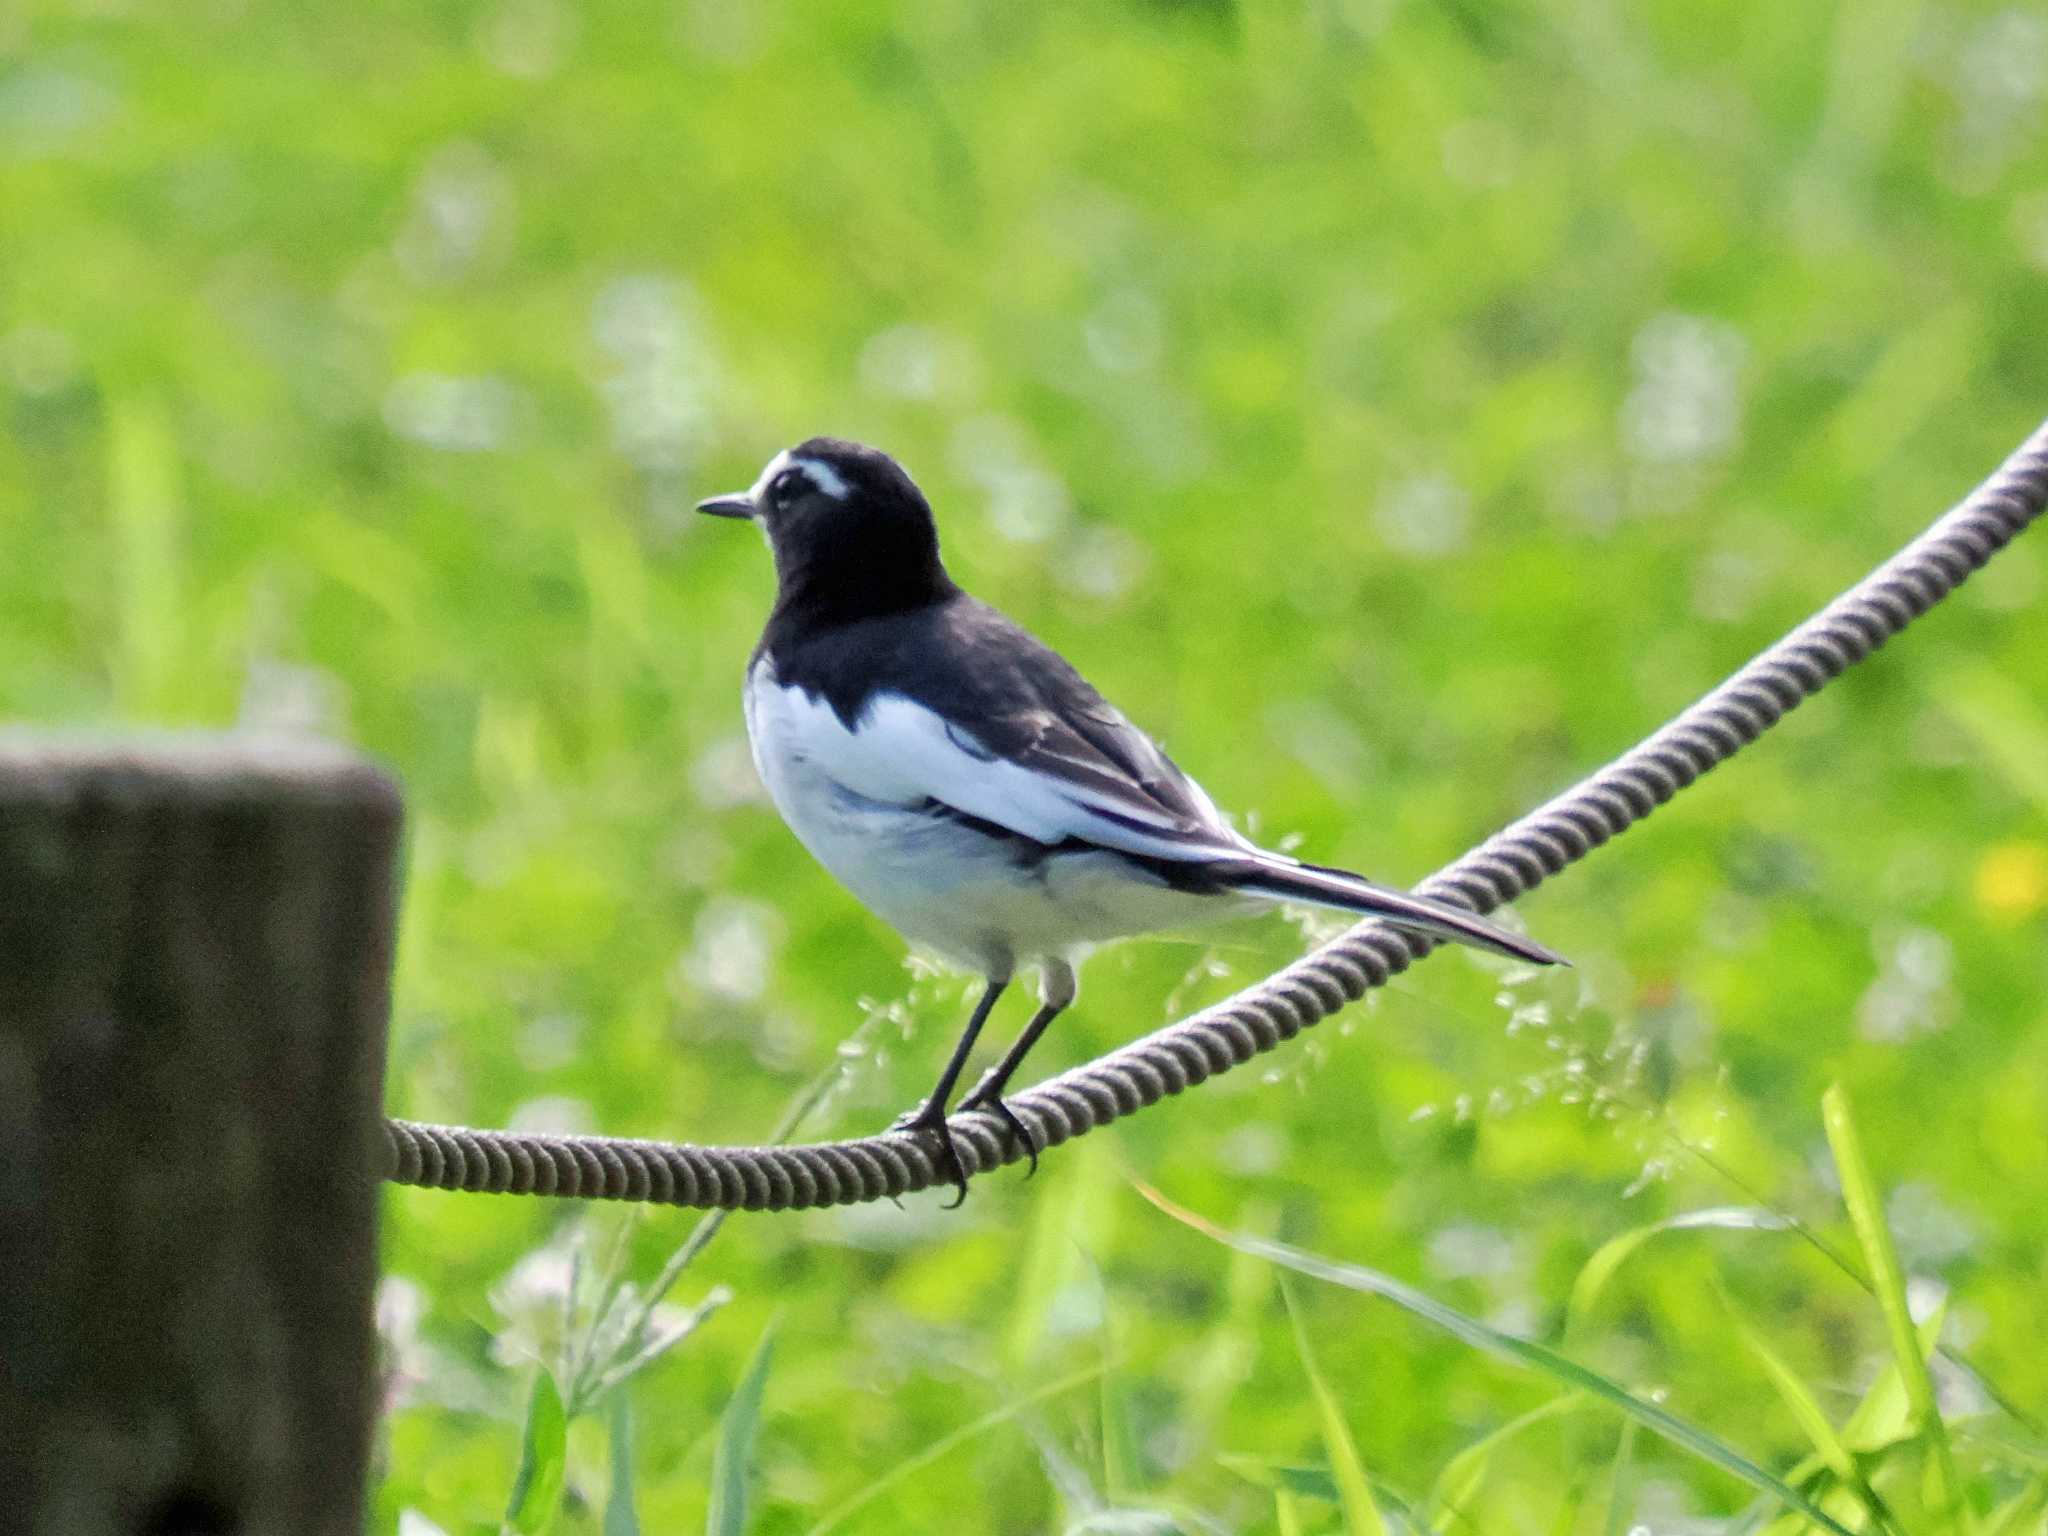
(1232,1032)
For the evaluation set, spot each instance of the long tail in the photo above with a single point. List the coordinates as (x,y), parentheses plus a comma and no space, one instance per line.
(1285,880)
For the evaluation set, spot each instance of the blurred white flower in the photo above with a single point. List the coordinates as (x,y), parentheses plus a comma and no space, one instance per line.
(461,209)
(1428,516)
(531,1299)
(1912,993)
(1479,153)
(1104,561)
(1924,1297)
(400,1306)
(1725,584)
(1126,332)
(1928,1230)
(1997,77)
(284,699)
(733,948)
(38,360)
(43,107)
(1469,1251)
(1027,502)
(663,375)
(1687,401)
(550,1041)
(1254,1148)
(723,775)
(454,413)
(916,362)
(727,31)
(553,1115)
(527,39)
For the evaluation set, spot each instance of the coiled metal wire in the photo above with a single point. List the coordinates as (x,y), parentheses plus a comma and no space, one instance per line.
(1177,1057)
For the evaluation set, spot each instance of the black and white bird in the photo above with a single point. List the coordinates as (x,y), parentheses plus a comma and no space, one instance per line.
(967,784)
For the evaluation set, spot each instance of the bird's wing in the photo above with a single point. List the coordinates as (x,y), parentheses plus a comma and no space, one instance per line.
(1111,784)
(1003,730)
(1061,788)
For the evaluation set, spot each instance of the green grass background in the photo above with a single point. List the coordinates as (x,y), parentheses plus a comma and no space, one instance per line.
(1398,407)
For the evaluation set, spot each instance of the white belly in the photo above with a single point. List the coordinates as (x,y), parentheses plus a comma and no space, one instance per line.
(961,892)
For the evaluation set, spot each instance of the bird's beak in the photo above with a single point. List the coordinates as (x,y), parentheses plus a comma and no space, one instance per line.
(739,504)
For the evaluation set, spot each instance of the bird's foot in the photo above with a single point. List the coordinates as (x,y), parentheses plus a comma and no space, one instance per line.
(929,1119)
(988,1096)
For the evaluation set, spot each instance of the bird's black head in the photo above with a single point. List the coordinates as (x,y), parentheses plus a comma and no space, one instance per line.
(851,532)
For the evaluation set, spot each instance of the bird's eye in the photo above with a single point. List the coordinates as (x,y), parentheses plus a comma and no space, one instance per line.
(789,485)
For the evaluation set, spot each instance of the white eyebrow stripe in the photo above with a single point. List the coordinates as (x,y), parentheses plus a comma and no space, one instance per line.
(775,467)
(828,479)
(822,475)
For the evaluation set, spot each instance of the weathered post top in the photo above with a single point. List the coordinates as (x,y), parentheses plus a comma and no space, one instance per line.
(195,944)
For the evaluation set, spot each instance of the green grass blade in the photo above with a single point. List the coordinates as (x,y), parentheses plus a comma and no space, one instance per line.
(840,1513)
(1065,1226)
(2020,1511)
(1866,1213)
(734,1458)
(632,1351)
(1286,1512)
(1297,1477)
(1884,1418)
(1120,1474)
(145,512)
(657,1344)
(1566,1372)
(1230,1345)
(619,1516)
(2006,1403)
(1621,1488)
(543,1453)
(1460,1480)
(2007,723)
(1354,1493)
(1611,1255)
(1566,1520)
(1813,1420)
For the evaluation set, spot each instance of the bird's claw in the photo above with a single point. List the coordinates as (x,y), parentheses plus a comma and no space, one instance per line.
(992,1103)
(929,1119)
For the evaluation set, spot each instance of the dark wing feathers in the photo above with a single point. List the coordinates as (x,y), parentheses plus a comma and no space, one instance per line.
(1031,707)
(1003,694)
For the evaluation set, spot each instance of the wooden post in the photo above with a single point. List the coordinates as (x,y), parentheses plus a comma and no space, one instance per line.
(195,946)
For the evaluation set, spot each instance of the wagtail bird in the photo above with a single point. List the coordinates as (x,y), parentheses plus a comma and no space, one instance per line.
(967,784)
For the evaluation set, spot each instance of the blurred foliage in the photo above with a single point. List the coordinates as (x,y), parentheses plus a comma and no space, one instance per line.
(1399,406)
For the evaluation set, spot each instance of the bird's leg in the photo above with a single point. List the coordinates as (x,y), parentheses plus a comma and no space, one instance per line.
(931,1115)
(1057,989)
(988,1093)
